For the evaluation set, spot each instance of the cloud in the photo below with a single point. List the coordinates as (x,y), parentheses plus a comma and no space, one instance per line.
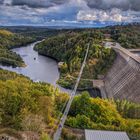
(1,1)
(133,5)
(113,15)
(38,3)
(124,5)
(88,12)
(6,2)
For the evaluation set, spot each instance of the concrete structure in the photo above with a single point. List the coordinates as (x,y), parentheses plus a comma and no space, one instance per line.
(105,135)
(123,79)
(99,84)
(135,51)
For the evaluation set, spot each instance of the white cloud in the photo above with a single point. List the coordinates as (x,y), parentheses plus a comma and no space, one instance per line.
(72,12)
(113,15)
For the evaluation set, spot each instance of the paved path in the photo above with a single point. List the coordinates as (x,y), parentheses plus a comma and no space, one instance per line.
(64,117)
(117,47)
(134,50)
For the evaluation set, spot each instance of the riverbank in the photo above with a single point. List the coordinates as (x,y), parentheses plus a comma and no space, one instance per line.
(9,41)
(68,82)
(24,101)
(69,49)
(38,68)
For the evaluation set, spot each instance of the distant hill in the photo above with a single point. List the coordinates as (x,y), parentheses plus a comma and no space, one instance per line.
(5,33)
(127,35)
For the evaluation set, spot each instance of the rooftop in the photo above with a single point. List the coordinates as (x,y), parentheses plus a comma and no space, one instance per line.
(105,135)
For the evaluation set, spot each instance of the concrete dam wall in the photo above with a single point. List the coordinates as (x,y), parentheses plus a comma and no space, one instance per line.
(123,79)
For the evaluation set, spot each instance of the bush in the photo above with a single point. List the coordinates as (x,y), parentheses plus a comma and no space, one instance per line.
(96,113)
(45,136)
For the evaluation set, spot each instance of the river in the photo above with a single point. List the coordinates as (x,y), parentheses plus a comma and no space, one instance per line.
(38,67)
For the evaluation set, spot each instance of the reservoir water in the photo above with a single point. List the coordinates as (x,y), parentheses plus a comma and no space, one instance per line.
(38,67)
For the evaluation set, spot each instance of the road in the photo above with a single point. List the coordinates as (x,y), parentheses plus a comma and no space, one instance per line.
(117,47)
(64,117)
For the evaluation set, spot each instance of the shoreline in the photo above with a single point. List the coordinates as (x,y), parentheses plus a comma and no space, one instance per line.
(53,58)
(69,88)
(48,56)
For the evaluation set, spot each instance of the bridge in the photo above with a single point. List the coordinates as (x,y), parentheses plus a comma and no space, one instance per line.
(121,82)
(64,117)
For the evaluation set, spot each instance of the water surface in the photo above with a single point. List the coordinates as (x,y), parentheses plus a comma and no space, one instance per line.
(38,67)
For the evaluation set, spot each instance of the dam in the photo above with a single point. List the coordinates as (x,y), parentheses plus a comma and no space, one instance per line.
(123,79)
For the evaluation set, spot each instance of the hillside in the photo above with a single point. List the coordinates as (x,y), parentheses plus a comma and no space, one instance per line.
(28,106)
(100,114)
(128,35)
(9,40)
(5,33)
(33,108)
(70,48)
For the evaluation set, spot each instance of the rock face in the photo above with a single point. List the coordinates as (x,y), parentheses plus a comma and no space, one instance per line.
(123,79)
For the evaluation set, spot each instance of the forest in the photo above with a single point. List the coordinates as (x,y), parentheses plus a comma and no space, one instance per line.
(29,106)
(35,106)
(70,48)
(9,40)
(12,37)
(100,114)
(128,36)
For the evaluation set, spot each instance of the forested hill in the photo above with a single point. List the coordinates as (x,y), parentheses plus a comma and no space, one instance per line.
(28,106)
(127,35)
(9,40)
(35,107)
(70,48)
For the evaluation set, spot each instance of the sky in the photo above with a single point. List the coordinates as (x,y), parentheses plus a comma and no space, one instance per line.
(87,13)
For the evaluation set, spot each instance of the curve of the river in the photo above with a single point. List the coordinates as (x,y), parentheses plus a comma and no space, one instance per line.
(38,67)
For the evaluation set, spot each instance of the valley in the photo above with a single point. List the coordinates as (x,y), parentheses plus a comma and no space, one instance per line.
(32,73)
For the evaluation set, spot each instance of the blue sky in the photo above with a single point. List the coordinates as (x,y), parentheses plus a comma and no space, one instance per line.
(86,13)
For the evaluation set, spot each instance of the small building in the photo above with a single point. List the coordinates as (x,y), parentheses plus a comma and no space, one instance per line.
(105,135)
